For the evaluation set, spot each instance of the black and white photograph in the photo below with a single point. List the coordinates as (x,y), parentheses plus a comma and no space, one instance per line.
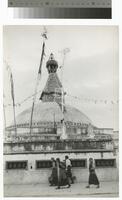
(61,104)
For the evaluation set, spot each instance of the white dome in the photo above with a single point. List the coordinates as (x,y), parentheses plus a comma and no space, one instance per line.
(45,112)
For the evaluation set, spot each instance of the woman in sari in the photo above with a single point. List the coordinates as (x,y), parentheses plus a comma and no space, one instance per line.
(93,180)
(53,179)
(61,173)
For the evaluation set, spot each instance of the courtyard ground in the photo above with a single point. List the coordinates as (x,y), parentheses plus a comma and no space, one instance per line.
(107,189)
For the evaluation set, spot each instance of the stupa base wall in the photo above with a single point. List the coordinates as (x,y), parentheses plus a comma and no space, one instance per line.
(32,174)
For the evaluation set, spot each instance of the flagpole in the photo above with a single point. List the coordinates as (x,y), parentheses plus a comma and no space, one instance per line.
(4,113)
(13,100)
(12,95)
(37,82)
(4,116)
(33,104)
(15,119)
(65,51)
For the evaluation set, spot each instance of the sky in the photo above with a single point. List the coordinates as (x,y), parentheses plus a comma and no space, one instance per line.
(90,70)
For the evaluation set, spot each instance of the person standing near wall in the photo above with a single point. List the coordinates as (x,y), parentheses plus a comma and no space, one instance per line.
(61,174)
(68,169)
(53,178)
(93,180)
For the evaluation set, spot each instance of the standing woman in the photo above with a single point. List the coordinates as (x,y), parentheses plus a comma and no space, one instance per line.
(53,178)
(61,174)
(93,180)
(58,173)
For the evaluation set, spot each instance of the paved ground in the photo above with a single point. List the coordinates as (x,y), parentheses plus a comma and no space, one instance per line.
(107,189)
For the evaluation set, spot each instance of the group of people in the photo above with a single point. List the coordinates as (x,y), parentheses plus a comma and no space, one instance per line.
(62,173)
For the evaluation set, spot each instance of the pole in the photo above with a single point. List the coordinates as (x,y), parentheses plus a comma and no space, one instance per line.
(4,113)
(37,82)
(62,90)
(14,119)
(65,51)
(4,117)
(13,98)
(12,91)
(54,123)
(33,104)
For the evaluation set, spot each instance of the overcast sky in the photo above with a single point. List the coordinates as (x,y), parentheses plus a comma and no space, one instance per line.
(90,70)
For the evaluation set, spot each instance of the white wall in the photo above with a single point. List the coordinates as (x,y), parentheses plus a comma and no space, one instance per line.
(41,175)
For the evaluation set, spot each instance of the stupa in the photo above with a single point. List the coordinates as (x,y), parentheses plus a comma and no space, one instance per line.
(51,113)
(57,130)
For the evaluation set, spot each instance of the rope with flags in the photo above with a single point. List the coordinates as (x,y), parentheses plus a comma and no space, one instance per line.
(94,100)
(44,35)
(75,98)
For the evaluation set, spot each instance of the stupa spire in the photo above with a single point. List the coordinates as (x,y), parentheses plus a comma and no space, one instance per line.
(53,89)
(52,64)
